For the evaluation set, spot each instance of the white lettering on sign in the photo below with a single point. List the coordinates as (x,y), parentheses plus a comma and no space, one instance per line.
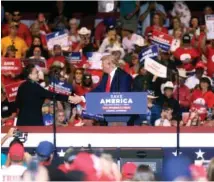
(9,63)
(117,101)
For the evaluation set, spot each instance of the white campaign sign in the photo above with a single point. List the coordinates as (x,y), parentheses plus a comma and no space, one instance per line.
(210,26)
(155,68)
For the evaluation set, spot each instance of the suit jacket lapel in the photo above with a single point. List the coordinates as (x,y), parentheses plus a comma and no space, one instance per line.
(114,83)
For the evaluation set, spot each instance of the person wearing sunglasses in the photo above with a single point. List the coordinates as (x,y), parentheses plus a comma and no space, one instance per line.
(22,31)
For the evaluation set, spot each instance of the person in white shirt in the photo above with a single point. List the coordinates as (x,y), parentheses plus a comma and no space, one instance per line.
(16,169)
(194,80)
(166,117)
(110,41)
(129,38)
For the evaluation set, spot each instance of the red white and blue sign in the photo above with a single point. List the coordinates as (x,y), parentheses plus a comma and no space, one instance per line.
(151,52)
(60,87)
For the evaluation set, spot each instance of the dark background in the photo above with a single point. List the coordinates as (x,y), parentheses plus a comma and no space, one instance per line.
(86,7)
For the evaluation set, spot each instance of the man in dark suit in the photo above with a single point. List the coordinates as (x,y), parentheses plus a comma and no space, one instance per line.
(114,79)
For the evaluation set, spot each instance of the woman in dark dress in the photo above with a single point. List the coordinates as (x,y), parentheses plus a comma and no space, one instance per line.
(30,98)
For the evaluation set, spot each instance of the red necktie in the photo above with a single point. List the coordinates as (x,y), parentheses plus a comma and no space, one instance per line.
(108,85)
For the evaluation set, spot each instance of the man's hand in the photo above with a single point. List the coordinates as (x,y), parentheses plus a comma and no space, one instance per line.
(75,99)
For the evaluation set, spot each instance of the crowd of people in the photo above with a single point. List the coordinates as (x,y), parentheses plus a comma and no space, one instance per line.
(185,96)
(87,164)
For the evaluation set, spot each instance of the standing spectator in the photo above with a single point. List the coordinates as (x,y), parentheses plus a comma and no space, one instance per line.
(100,30)
(129,38)
(110,41)
(74,37)
(194,27)
(8,18)
(176,24)
(176,42)
(184,91)
(208,10)
(35,31)
(23,31)
(208,51)
(8,110)
(166,117)
(186,55)
(16,169)
(147,11)
(128,13)
(13,39)
(157,24)
(181,10)
(194,80)
(167,100)
(37,54)
(44,28)
(78,77)
(11,52)
(204,93)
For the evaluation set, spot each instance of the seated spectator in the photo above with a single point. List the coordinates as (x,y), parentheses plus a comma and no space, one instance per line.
(128,171)
(16,169)
(204,93)
(193,81)
(37,42)
(176,24)
(74,37)
(194,27)
(194,118)
(144,173)
(177,39)
(184,91)
(44,28)
(8,18)
(35,32)
(110,41)
(166,117)
(129,38)
(11,52)
(13,39)
(145,15)
(23,31)
(208,51)
(57,56)
(8,110)
(135,65)
(37,54)
(157,24)
(181,10)
(167,100)
(61,119)
(78,77)
(186,56)
(76,119)
(47,114)
(60,22)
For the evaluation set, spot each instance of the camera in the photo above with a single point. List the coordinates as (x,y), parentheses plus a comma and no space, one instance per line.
(22,136)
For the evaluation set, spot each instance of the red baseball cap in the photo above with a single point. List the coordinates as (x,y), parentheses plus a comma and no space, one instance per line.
(128,170)
(16,152)
(200,64)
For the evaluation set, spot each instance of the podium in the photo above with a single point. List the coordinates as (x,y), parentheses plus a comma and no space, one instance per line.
(116,106)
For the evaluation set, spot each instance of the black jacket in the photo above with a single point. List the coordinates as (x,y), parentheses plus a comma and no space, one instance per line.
(29,101)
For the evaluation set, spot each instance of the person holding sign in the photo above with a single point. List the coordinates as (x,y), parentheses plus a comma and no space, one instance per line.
(31,96)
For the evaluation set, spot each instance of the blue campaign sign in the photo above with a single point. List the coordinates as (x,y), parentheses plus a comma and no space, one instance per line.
(73,57)
(117,103)
(60,87)
(151,52)
(54,34)
(89,55)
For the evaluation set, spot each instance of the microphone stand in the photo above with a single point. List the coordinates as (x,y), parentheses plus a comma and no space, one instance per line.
(54,115)
(178,122)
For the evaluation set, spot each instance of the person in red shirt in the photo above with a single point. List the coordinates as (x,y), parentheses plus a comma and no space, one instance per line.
(44,28)
(208,50)
(58,56)
(23,31)
(157,24)
(204,94)
(8,19)
(78,77)
(184,91)
(186,56)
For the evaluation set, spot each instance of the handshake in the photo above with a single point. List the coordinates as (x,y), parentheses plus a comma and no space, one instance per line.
(75,99)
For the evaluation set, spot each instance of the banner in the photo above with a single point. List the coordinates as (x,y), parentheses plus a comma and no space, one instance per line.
(210,26)
(94,60)
(59,38)
(155,68)
(151,52)
(38,62)
(11,90)
(60,87)
(116,103)
(73,57)
(162,40)
(11,65)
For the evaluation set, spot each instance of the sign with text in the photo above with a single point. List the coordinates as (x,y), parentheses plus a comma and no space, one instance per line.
(117,103)
(38,62)
(12,65)
(151,52)
(60,87)
(210,26)
(155,68)
(12,89)
(73,57)
(57,38)
(94,60)
(162,40)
